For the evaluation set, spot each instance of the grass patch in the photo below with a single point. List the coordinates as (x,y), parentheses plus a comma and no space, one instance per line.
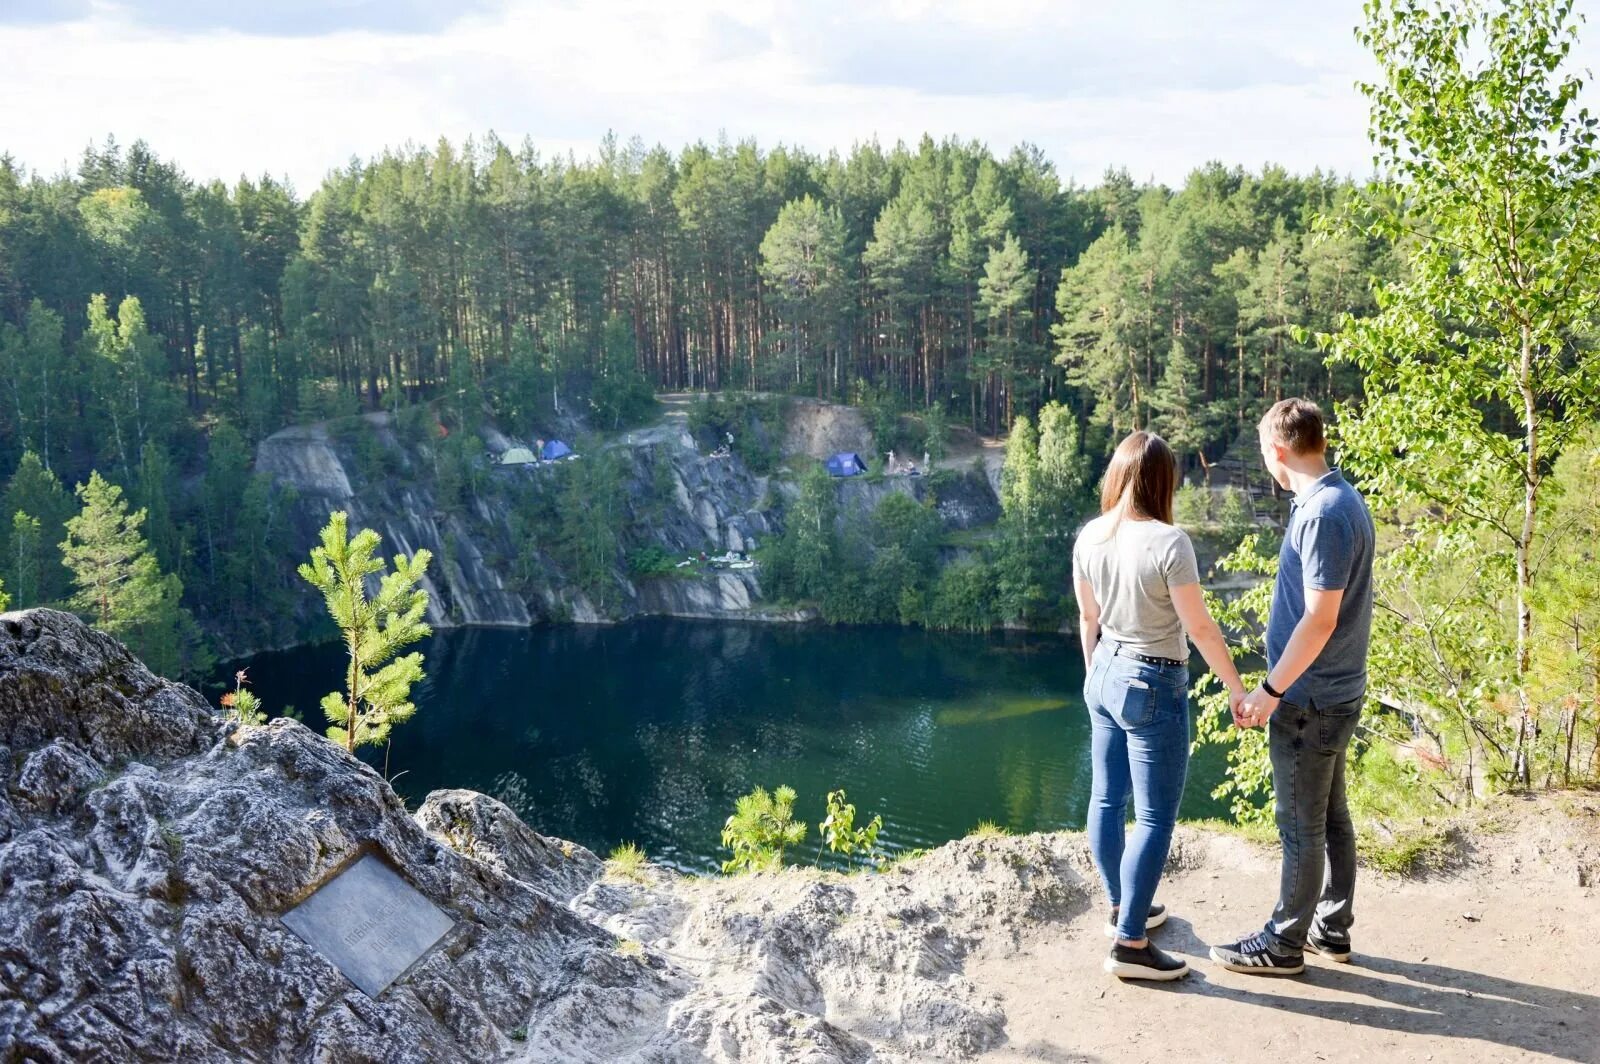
(626,862)
(988,829)
(631,948)
(1264,833)
(1409,850)
(970,538)
(904,857)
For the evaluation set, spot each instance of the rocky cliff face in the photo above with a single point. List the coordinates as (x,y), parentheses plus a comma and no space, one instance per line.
(483,573)
(488,569)
(148,851)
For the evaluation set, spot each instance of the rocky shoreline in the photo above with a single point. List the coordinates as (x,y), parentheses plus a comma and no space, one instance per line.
(148,850)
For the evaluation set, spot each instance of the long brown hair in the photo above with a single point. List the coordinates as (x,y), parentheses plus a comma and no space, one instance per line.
(1141,479)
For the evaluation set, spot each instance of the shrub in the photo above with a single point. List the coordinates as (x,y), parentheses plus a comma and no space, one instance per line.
(963,598)
(650,561)
(761,828)
(841,836)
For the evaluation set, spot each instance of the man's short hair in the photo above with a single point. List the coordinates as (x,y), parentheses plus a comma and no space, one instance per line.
(1296,424)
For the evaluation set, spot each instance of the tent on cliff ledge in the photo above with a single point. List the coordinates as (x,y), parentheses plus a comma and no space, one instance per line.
(517,456)
(846,464)
(553,450)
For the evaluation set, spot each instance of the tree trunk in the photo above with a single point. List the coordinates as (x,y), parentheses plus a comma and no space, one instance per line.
(1530,499)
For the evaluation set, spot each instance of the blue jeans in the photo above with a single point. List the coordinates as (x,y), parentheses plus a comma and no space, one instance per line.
(1140,719)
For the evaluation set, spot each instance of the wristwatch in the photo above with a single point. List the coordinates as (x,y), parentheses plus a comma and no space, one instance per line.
(1267,687)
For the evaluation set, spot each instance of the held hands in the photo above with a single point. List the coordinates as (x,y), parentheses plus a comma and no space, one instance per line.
(1254,709)
(1235,700)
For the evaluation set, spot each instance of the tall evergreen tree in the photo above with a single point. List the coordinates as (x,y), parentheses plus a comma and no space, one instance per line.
(120,586)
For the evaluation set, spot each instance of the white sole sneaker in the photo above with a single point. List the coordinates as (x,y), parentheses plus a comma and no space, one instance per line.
(1336,956)
(1249,970)
(1139,971)
(1152,922)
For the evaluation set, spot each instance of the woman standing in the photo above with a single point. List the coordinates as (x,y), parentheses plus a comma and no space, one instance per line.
(1138,590)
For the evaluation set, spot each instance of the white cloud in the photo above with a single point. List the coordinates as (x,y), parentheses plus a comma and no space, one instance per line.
(1159,88)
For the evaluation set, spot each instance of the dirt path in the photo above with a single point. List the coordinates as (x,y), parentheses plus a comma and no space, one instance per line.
(1494,962)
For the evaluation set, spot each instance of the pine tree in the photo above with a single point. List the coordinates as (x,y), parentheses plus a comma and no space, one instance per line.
(377,691)
(1009,354)
(119,583)
(35,493)
(803,263)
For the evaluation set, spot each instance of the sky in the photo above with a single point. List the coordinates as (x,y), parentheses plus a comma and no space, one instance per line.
(295,87)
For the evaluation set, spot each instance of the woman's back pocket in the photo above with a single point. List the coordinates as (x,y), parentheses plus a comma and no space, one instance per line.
(1130,700)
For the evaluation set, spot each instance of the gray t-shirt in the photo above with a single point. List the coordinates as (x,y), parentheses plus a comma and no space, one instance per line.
(1132,572)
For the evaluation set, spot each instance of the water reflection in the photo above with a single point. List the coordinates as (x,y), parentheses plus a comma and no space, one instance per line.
(647,732)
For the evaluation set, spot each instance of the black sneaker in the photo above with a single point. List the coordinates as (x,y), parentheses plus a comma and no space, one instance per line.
(1253,955)
(1157,917)
(1146,962)
(1329,948)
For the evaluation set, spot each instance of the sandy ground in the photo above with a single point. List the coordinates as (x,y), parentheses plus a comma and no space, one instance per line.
(1492,961)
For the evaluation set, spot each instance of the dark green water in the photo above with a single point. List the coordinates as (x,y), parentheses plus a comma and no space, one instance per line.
(647,732)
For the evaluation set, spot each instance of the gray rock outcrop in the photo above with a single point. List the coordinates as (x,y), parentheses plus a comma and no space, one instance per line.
(148,850)
(486,570)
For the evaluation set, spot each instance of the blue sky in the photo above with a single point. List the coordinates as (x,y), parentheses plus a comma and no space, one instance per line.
(294,87)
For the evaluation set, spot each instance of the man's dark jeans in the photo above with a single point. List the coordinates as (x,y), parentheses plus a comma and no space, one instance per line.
(1308,745)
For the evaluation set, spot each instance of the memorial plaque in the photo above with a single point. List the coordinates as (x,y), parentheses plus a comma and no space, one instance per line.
(371,924)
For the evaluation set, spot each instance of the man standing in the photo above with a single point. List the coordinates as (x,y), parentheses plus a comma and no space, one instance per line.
(1317,636)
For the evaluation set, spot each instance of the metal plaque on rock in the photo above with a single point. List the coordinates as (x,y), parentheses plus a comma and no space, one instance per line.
(371,924)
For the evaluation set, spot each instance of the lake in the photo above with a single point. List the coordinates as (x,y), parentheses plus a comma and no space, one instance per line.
(646,732)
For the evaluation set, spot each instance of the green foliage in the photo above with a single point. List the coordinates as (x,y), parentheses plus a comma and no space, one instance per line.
(377,690)
(881,407)
(1248,784)
(627,862)
(804,265)
(1043,487)
(988,829)
(842,837)
(590,519)
(761,828)
(128,374)
(1565,686)
(120,587)
(619,395)
(755,422)
(444,281)
(39,508)
(963,598)
(242,704)
(1475,369)
(801,562)
(26,556)
(650,561)
(935,432)
(1191,507)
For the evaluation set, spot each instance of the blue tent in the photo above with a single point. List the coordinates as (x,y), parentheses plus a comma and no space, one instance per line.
(846,464)
(553,450)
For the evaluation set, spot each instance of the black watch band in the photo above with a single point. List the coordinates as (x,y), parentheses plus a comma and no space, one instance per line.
(1267,687)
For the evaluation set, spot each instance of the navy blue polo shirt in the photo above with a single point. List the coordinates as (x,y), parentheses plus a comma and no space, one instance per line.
(1328,546)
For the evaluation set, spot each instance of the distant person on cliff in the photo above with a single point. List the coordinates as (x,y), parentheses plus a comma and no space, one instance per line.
(1317,635)
(1139,604)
